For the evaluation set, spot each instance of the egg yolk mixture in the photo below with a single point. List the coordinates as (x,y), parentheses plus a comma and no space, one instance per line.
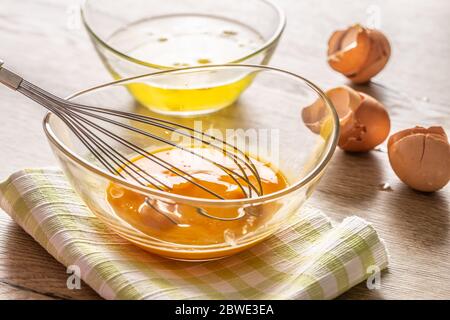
(184,40)
(156,218)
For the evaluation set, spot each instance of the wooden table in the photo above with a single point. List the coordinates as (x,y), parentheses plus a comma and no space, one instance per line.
(41,40)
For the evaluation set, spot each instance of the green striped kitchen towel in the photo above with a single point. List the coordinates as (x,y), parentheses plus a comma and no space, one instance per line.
(309,260)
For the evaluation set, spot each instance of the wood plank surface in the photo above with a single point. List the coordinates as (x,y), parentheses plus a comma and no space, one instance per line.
(39,39)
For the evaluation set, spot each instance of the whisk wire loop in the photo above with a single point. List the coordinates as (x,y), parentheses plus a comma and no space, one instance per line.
(90,125)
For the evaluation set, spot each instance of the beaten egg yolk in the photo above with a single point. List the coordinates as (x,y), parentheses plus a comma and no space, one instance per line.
(151,216)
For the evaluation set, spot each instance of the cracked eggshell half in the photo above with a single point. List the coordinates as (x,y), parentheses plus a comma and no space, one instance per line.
(370,126)
(420,157)
(364,122)
(358,53)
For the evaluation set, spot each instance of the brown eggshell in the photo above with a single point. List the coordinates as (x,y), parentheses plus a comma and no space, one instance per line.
(370,127)
(378,57)
(364,122)
(420,157)
(314,115)
(437,131)
(358,53)
(344,99)
(348,50)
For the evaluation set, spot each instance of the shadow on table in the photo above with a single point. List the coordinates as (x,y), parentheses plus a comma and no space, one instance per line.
(342,181)
(421,216)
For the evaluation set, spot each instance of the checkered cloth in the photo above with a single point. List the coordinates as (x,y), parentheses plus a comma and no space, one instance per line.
(311,259)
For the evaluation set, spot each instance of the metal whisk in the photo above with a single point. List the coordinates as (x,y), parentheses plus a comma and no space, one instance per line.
(88,124)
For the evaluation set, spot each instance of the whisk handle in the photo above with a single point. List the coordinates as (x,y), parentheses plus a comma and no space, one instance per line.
(8,78)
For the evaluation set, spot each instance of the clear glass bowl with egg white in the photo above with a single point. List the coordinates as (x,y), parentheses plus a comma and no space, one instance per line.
(141,36)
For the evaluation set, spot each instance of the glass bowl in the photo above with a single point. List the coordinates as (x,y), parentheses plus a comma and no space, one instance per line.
(141,36)
(266,121)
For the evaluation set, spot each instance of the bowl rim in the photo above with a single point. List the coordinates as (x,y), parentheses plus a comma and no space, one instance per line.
(311,175)
(267,44)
